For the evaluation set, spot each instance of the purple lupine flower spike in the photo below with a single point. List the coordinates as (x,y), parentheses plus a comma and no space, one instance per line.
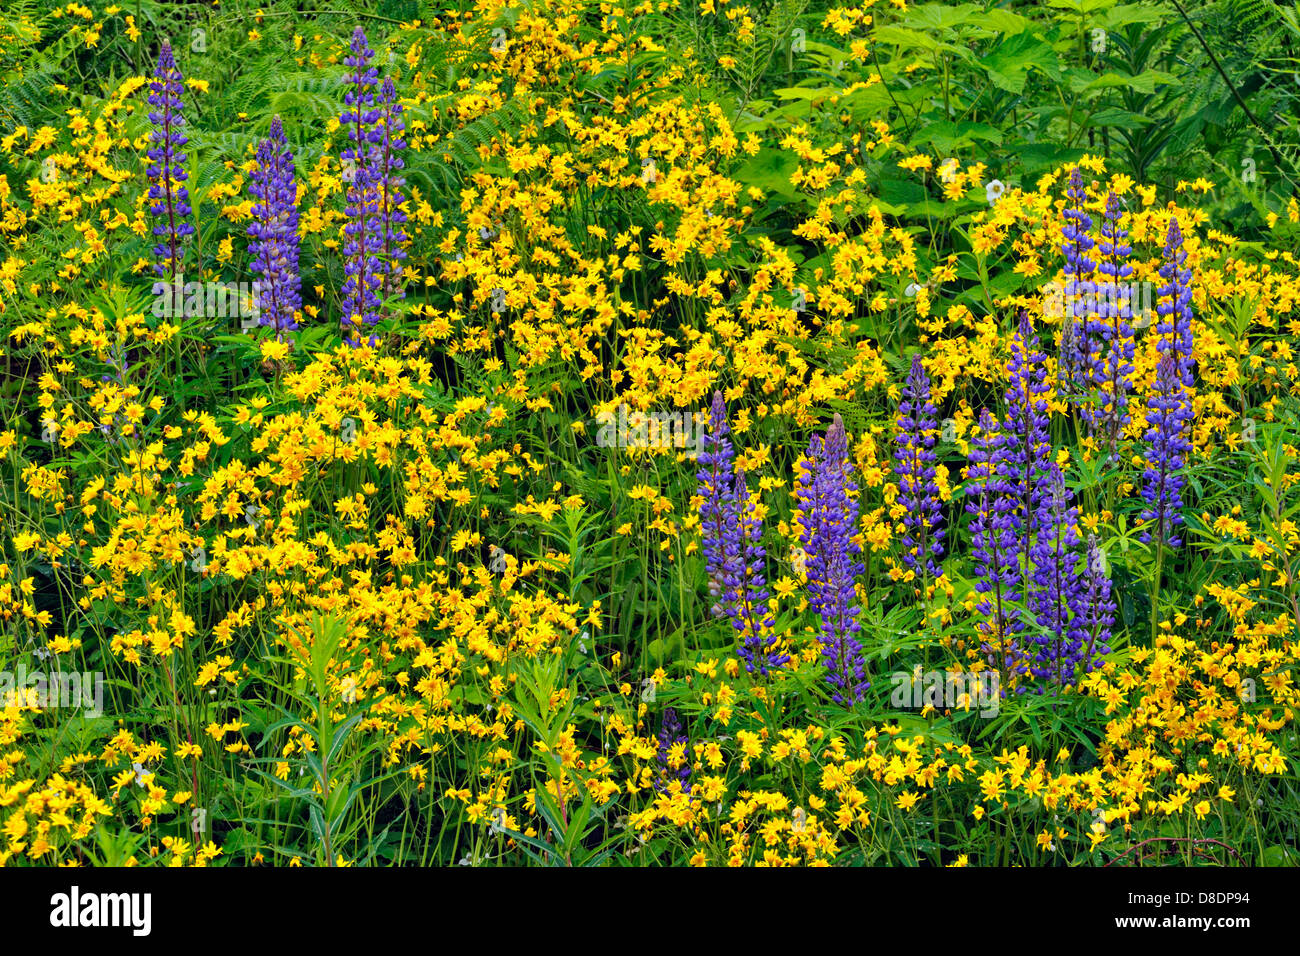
(1169,405)
(995,532)
(1076,344)
(733,554)
(363,233)
(1175,308)
(274,231)
(717,465)
(829,520)
(360,114)
(1113,372)
(362,268)
(1169,416)
(915,431)
(1057,599)
(1026,450)
(745,587)
(671,734)
(390,163)
(170,200)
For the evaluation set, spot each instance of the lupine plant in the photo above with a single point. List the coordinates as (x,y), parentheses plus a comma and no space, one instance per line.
(1057,595)
(1026,451)
(671,753)
(274,232)
(168,196)
(828,517)
(1112,369)
(1078,318)
(916,429)
(1169,413)
(389,163)
(732,547)
(364,234)
(993,500)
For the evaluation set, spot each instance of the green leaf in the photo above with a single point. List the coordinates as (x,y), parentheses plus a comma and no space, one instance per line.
(1009,66)
(948,137)
(1112,117)
(1145,82)
(770,170)
(1041,157)
(1081,6)
(1277,855)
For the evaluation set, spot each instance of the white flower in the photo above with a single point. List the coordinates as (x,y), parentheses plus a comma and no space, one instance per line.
(994,190)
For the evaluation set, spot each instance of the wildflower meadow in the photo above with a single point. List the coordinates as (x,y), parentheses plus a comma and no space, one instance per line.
(666,433)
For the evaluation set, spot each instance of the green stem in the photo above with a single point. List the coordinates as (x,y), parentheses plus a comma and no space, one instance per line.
(1155,592)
